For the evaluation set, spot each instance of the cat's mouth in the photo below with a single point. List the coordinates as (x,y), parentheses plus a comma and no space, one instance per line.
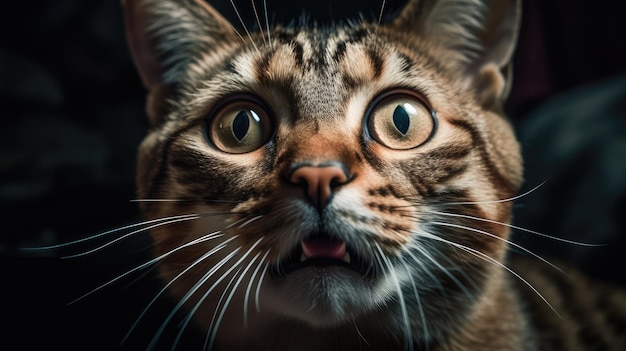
(324,251)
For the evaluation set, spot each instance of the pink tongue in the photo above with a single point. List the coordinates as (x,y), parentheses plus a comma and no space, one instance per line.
(323,248)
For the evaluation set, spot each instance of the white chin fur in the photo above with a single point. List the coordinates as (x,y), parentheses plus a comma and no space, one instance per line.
(323,297)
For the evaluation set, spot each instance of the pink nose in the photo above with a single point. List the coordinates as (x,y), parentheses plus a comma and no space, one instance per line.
(320,181)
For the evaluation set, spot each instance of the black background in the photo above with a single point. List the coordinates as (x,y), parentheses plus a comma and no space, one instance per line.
(72,117)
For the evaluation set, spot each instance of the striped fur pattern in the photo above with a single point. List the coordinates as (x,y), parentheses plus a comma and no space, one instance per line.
(272,151)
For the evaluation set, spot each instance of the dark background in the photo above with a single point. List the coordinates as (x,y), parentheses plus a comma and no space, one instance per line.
(72,117)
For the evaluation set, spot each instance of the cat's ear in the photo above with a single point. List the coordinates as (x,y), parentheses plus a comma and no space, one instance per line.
(164,35)
(476,38)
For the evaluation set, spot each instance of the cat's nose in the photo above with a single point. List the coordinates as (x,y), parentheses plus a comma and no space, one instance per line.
(319,181)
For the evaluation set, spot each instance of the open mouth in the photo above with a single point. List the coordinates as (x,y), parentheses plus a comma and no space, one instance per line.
(324,251)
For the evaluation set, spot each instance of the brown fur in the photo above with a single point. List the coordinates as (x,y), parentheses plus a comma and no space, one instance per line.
(431,221)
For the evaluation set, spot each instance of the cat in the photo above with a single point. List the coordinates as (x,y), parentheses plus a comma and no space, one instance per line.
(347,187)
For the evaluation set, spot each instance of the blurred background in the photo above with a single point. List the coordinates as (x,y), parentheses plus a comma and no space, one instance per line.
(73,116)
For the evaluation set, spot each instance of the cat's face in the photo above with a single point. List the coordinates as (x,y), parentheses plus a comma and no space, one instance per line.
(329,174)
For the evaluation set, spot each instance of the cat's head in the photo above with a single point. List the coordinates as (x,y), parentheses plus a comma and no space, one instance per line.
(355,170)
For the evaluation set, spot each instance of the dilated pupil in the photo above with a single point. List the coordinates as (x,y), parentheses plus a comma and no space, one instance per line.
(401,119)
(241,125)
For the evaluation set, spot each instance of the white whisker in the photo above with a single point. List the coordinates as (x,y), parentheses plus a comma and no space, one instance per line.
(384,261)
(149,263)
(93,237)
(238,34)
(235,223)
(492,260)
(419,303)
(249,221)
(244,26)
(204,279)
(382,9)
(258,288)
(267,23)
(186,297)
(427,254)
(498,201)
(230,296)
(461,271)
(509,242)
(517,228)
(131,234)
(164,289)
(208,345)
(249,289)
(258,20)
(360,335)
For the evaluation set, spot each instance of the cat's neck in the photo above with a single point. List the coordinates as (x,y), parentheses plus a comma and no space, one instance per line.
(498,312)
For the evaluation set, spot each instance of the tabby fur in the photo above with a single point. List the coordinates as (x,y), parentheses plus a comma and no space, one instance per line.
(428,224)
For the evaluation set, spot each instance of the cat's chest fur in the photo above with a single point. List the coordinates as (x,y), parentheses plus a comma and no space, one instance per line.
(334,188)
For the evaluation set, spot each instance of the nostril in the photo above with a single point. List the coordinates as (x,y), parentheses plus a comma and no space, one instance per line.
(319,181)
(337,181)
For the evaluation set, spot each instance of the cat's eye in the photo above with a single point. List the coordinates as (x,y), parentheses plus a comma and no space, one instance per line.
(401,121)
(240,127)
